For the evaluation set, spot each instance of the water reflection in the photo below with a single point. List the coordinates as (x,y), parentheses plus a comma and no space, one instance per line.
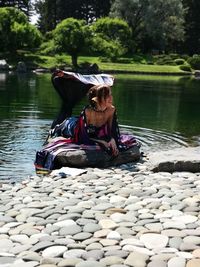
(162,112)
(154,140)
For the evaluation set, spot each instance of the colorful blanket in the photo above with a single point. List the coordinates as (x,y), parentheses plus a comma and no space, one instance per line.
(78,140)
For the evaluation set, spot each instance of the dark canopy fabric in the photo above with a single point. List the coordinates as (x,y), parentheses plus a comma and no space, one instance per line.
(72,87)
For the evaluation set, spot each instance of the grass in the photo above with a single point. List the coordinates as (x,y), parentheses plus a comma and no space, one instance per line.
(35,60)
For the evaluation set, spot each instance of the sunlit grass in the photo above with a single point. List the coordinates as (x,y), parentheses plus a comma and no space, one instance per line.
(43,61)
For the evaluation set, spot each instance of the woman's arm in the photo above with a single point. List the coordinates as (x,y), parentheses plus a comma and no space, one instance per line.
(113,127)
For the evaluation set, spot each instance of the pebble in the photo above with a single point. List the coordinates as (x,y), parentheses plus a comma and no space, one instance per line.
(176,262)
(152,241)
(118,217)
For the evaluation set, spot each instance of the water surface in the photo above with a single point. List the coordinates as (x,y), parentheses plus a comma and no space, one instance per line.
(162,112)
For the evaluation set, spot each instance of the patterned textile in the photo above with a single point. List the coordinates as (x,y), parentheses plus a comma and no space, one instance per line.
(82,140)
(91,79)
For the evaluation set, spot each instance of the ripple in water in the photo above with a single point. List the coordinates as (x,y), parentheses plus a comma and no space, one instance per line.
(20,139)
(154,140)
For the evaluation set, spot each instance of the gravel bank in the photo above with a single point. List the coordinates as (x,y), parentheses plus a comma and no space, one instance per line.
(124,216)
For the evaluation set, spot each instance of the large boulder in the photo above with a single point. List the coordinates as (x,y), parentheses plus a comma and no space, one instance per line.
(197,74)
(180,159)
(92,158)
(21,67)
(3,65)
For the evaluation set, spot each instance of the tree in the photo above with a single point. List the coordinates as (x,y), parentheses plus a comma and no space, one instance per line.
(192,26)
(23,5)
(111,36)
(72,36)
(15,30)
(161,21)
(47,11)
(52,12)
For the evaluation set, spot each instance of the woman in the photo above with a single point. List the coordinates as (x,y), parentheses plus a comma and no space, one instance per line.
(95,128)
(96,125)
(96,122)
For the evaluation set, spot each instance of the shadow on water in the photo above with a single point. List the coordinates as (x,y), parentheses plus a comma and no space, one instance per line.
(162,112)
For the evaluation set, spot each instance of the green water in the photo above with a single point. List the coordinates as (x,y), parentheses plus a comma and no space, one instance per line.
(162,112)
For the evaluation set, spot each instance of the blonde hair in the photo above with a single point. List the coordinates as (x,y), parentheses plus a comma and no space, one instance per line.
(97,93)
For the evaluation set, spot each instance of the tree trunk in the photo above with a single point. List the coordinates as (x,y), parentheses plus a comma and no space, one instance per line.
(74,61)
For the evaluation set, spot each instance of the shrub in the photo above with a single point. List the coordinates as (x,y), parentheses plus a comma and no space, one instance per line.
(185,67)
(174,56)
(48,48)
(104,59)
(194,62)
(165,61)
(123,60)
(179,61)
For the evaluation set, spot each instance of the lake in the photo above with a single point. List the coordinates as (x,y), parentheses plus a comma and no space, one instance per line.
(163,112)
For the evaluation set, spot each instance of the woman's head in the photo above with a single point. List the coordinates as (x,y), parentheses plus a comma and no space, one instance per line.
(98,94)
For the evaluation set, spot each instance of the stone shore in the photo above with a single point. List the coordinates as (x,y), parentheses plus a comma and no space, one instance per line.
(122,216)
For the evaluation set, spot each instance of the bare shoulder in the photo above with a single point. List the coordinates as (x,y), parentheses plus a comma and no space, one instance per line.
(111,110)
(88,112)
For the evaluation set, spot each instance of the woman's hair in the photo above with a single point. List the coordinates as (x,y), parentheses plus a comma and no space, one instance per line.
(97,93)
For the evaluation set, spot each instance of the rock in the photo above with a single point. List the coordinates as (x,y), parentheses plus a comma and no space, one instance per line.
(70,230)
(136,259)
(93,255)
(153,241)
(114,235)
(69,262)
(176,160)
(176,262)
(83,158)
(157,263)
(21,67)
(3,65)
(91,227)
(197,74)
(54,251)
(89,263)
(107,224)
(193,263)
(111,260)
(196,253)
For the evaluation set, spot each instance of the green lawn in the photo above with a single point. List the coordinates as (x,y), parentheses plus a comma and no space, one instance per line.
(35,60)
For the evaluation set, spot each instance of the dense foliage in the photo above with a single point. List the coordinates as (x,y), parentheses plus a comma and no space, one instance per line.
(23,5)
(15,31)
(158,26)
(71,36)
(52,12)
(111,37)
(160,22)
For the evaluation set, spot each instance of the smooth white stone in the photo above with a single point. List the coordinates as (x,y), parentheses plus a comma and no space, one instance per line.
(185,255)
(168,214)
(27,199)
(113,235)
(152,241)
(5,245)
(192,239)
(4,230)
(174,225)
(19,238)
(132,241)
(116,199)
(54,251)
(38,236)
(12,224)
(65,223)
(185,218)
(144,211)
(176,262)
(117,217)
(138,249)
(107,224)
